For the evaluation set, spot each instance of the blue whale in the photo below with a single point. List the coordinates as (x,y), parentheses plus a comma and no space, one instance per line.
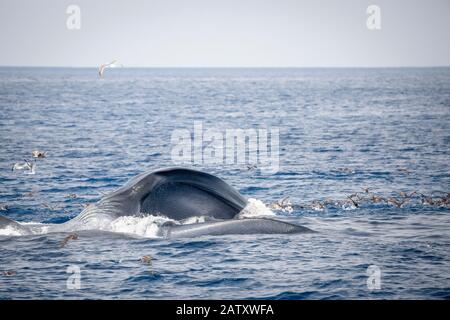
(178,194)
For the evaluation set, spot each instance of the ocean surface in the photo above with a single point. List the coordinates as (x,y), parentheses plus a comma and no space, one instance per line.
(341,131)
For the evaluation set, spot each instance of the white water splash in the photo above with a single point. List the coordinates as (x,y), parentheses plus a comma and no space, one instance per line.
(192,220)
(255,208)
(10,231)
(146,226)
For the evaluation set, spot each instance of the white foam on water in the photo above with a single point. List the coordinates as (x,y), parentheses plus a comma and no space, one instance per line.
(255,208)
(31,228)
(192,220)
(146,226)
(348,207)
(10,231)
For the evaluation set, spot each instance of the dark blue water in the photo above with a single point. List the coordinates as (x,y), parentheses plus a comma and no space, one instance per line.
(341,130)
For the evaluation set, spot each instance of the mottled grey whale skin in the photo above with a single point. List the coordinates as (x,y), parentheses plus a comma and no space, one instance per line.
(176,193)
(233,226)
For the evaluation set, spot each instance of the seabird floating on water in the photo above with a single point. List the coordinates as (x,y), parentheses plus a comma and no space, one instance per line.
(25,166)
(38,154)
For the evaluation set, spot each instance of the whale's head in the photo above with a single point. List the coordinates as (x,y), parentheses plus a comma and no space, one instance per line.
(177,193)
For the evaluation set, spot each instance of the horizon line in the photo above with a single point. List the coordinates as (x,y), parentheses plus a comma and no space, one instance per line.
(229,67)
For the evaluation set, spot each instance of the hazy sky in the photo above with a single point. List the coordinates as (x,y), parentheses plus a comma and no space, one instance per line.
(195,33)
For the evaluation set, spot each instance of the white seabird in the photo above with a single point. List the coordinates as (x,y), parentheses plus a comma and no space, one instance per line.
(25,166)
(102,67)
